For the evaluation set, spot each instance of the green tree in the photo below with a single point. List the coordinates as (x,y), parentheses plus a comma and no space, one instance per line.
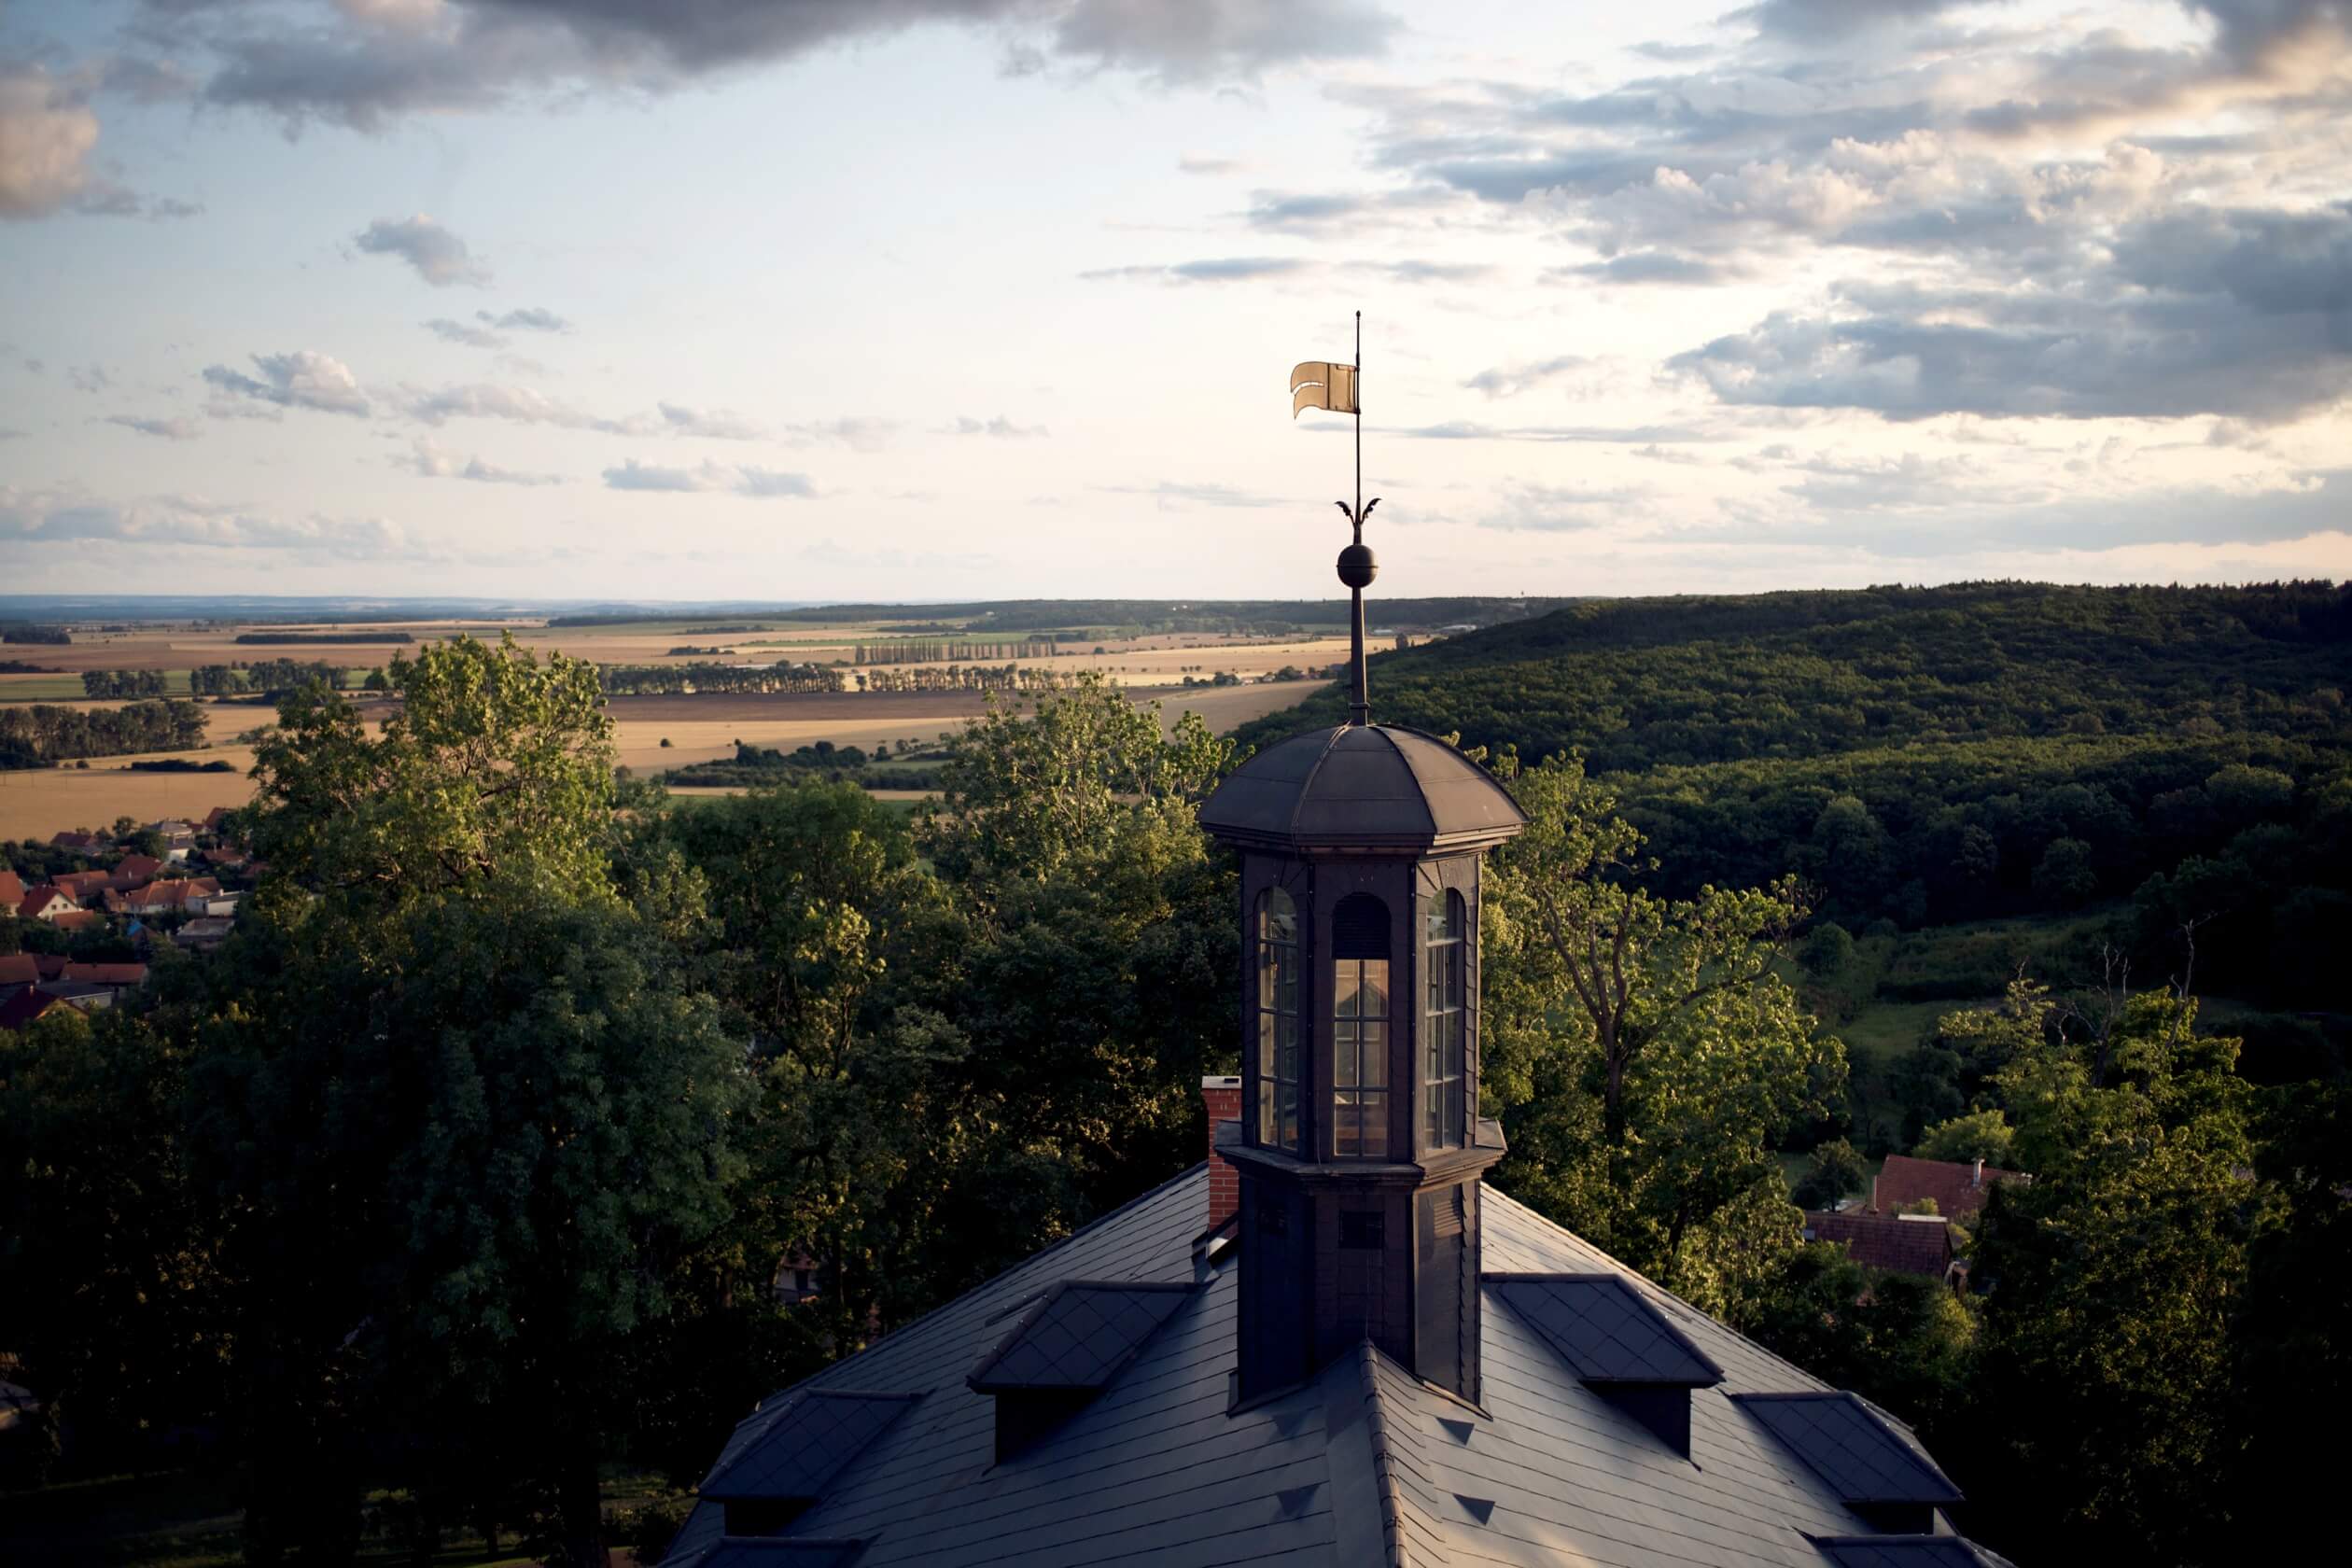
(1980,1135)
(2106,1397)
(1835,1171)
(1901,1339)
(496,767)
(2065,874)
(1643,1052)
(469,1112)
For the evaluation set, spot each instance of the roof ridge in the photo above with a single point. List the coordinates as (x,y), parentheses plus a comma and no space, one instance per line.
(1306,785)
(1405,761)
(1384,1472)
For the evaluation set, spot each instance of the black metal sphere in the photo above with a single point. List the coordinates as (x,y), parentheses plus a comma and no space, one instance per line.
(1356,566)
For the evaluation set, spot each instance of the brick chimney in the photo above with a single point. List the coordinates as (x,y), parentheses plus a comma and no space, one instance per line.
(1223,1097)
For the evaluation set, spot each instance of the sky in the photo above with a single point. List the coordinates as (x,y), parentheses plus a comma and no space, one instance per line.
(914,299)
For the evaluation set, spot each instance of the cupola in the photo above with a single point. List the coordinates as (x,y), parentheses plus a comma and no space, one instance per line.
(1359,1146)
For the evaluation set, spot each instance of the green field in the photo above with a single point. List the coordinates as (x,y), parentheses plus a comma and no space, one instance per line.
(65,688)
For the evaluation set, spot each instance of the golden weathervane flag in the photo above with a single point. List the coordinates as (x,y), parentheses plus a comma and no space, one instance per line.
(1316,385)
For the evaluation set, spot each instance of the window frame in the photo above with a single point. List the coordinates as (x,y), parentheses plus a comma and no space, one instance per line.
(1445,1053)
(1277,1092)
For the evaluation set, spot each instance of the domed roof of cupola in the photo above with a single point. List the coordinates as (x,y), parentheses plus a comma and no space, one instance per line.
(1364,786)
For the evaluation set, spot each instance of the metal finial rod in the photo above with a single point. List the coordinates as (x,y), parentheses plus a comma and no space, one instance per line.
(1356,566)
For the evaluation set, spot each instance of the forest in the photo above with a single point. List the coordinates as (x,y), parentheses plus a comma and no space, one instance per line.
(458,1179)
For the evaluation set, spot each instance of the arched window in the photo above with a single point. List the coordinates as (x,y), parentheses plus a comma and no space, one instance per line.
(1277,1021)
(1444,1023)
(1359,1028)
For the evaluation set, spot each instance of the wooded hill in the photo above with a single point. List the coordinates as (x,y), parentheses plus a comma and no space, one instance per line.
(1929,755)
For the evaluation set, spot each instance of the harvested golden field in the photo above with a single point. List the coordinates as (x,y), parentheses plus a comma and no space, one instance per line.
(1150,661)
(37,802)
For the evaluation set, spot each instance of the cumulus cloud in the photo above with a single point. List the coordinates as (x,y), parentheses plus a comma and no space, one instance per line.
(370,71)
(438,256)
(168,430)
(46,136)
(302,379)
(709,478)
(430,461)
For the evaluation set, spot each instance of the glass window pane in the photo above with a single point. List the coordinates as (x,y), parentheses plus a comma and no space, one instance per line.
(1375,979)
(1375,1055)
(1373,1120)
(1264,1111)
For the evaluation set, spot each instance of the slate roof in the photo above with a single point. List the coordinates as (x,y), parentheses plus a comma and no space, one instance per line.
(1850,1446)
(1362,1465)
(796,1447)
(1078,1334)
(1902,1551)
(1605,1329)
(1361,786)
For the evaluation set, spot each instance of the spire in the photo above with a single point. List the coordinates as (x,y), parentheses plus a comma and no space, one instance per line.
(1357,568)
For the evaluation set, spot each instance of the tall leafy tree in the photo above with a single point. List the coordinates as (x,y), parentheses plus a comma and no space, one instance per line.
(1643,1052)
(2113,1279)
(468,1110)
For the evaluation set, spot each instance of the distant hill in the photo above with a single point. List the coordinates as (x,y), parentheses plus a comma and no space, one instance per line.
(1926,756)
(1636,683)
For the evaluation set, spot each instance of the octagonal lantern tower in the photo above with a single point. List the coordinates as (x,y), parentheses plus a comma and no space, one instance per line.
(1360,1147)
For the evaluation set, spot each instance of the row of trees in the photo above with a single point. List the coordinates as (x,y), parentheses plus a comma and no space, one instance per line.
(124,683)
(668,679)
(39,735)
(937,651)
(960,678)
(271,677)
(29,632)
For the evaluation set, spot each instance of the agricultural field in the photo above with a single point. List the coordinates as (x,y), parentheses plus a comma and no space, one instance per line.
(37,802)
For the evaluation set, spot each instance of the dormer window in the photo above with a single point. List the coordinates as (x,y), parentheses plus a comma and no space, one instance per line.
(1444,1023)
(1278,1064)
(1360,1029)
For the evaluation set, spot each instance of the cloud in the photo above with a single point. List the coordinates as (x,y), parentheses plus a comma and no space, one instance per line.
(438,256)
(302,379)
(1830,22)
(168,430)
(1205,163)
(529,318)
(487,400)
(430,461)
(709,478)
(1506,381)
(1558,509)
(366,72)
(999,427)
(39,517)
(46,135)
(2244,314)
(460,332)
(1226,269)
(1174,496)
(1651,266)
(715,424)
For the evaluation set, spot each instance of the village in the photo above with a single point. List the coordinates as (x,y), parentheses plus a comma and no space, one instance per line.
(93,912)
